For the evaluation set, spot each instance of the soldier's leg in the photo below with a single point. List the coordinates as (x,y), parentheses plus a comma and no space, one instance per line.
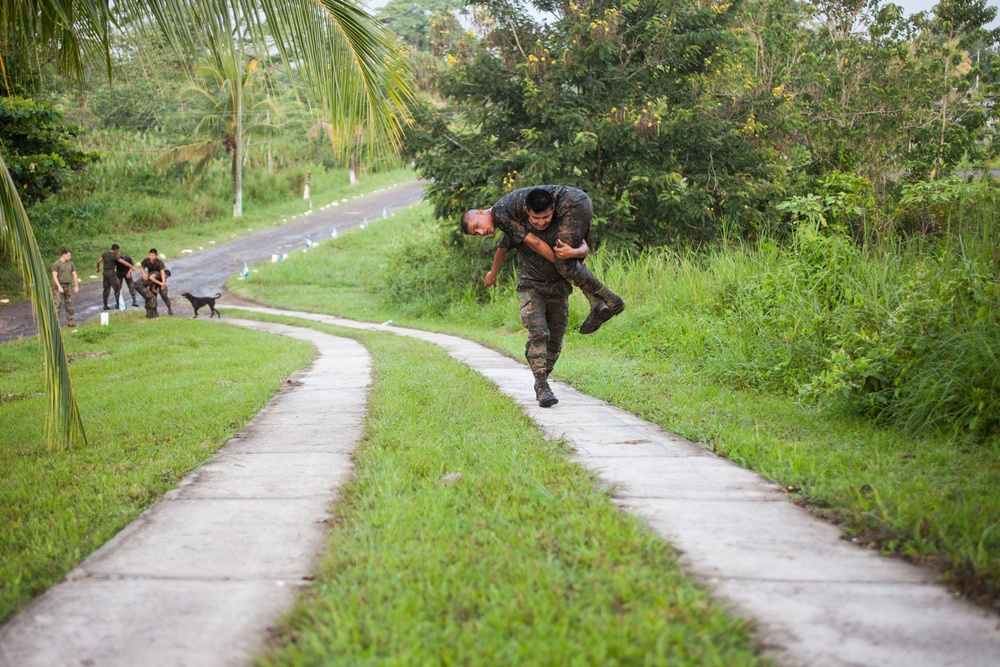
(147,294)
(557,313)
(131,289)
(108,283)
(57,300)
(533,317)
(68,302)
(166,299)
(574,215)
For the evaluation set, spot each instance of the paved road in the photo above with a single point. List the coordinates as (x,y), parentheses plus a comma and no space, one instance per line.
(206,272)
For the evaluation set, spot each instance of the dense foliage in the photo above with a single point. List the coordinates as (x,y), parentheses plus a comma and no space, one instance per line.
(604,98)
(39,147)
(688,120)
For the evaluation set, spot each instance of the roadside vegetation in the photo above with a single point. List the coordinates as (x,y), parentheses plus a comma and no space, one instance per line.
(688,356)
(159,396)
(465,537)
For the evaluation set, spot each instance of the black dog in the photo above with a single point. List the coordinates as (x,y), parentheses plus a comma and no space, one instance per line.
(199,301)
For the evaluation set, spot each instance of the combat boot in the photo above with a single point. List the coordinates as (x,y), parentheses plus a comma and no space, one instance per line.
(600,314)
(543,393)
(606,305)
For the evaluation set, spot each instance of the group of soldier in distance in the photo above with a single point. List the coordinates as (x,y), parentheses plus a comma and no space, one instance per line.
(117,270)
(548,225)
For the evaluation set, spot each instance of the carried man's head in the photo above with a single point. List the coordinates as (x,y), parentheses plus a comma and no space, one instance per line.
(478,222)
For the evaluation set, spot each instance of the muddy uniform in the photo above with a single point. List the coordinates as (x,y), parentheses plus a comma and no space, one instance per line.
(125,277)
(64,273)
(543,297)
(155,267)
(109,261)
(571,222)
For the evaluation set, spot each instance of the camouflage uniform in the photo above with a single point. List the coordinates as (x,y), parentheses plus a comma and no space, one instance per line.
(142,287)
(153,267)
(109,260)
(64,271)
(571,222)
(543,297)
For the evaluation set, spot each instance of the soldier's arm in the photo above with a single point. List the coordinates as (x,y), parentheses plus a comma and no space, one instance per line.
(55,279)
(76,282)
(540,247)
(563,251)
(99,260)
(498,259)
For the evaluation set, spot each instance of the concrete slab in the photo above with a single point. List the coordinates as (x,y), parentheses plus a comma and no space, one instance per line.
(815,599)
(108,624)
(200,576)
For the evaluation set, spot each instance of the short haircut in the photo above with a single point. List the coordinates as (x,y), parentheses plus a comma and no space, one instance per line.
(539,200)
(152,251)
(64,251)
(115,246)
(467,221)
(167,272)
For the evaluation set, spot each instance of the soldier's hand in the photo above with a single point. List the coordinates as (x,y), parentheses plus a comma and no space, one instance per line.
(491,280)
(76,288)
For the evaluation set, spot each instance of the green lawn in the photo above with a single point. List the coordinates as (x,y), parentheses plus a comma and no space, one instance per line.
(158,398)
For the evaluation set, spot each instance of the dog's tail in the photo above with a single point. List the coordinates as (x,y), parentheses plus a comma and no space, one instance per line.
(218,296)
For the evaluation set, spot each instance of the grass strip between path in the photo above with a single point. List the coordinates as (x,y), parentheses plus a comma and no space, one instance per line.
(922,498)
(159,397)
(521,560)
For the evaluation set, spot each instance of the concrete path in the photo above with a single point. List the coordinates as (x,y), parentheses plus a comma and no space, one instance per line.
(816,599)
(200,577)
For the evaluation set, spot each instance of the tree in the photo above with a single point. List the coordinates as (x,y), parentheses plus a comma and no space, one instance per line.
(609,98)
(346,62)
(224,90)
(38,147)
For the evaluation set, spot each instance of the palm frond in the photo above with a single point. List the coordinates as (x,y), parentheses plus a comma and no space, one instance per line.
(64,425)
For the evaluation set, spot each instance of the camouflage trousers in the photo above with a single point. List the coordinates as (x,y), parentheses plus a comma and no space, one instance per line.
(126,281)
(142,287)
(574,212)
(544,309)
(66,298)
(111,282)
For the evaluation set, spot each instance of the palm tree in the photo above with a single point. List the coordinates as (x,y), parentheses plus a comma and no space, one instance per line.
(340,56)
(226,92)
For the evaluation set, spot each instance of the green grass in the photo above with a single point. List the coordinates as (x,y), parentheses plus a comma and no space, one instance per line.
(923,497)
(158,398)
(523,560)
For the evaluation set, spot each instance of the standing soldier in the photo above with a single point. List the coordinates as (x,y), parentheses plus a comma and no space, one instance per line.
(153,264)
(65,278)
(567,209)
(125,277)
(111,262)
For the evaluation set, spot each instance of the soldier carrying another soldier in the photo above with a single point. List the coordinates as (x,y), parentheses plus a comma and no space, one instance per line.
(550,231)
(570,211)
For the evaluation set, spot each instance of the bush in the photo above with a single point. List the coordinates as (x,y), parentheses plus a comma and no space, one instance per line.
(431,270)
